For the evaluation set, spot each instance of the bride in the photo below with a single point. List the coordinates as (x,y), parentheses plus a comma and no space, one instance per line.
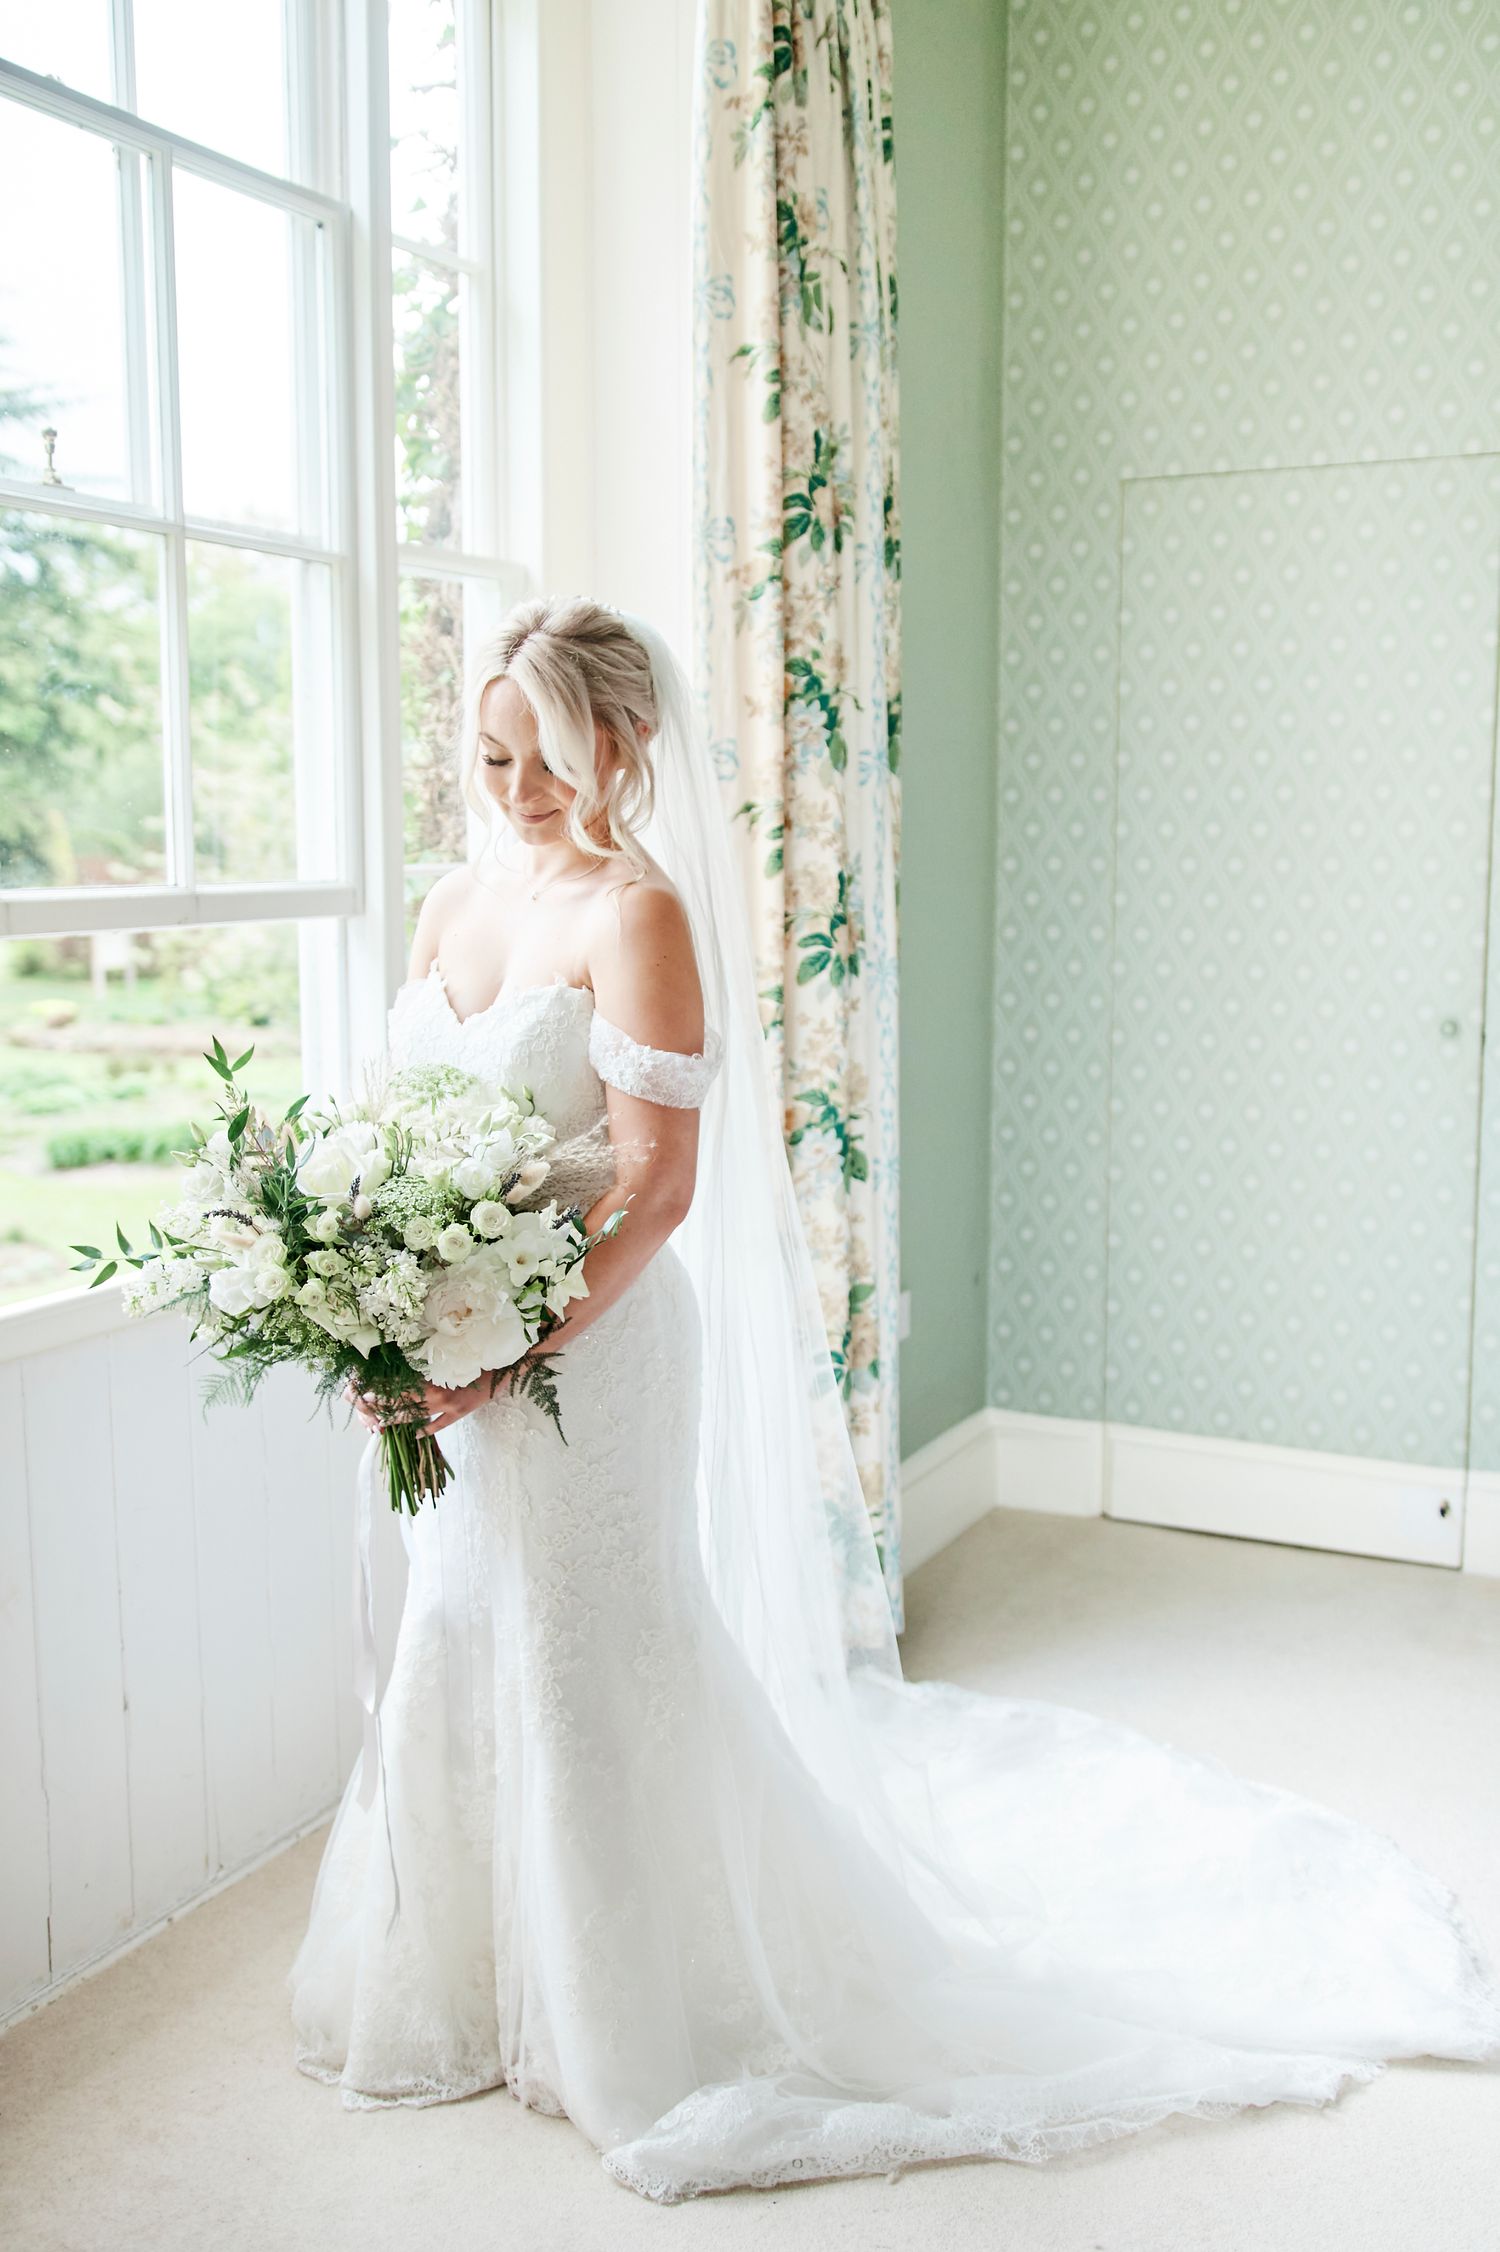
(648,1827)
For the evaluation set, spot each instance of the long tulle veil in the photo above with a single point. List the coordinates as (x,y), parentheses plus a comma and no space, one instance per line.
(1020,1830)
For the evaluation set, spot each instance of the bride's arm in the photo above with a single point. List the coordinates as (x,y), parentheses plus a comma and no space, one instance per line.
(645,981)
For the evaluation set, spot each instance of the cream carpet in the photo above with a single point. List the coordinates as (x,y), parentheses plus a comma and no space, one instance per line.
(156,2106)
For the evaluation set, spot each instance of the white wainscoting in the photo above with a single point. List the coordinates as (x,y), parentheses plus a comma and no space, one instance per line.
(999,1459)
(176,1624)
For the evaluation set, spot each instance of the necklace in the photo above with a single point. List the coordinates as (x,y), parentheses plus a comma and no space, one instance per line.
(567,877)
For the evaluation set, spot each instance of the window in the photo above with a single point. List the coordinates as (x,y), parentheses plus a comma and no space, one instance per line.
(448,500)
(212,513)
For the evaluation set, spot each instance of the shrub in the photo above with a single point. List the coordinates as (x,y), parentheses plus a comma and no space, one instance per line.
(117,1145)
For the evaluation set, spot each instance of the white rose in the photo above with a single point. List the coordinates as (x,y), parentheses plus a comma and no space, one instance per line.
(233,1290)
(203,1183)
(326,1226)
(489,1218)
(419,1234)
(327,1166)
(473,1177)
(454,1244)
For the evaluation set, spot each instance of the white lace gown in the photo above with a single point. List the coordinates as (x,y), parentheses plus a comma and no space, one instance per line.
(623,1897)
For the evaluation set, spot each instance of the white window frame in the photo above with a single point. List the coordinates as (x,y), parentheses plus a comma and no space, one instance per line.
(351,929)
(179,898)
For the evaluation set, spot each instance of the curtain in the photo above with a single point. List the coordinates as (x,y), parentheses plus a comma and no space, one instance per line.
(797,622)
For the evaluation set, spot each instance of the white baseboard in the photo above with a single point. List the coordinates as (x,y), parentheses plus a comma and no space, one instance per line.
(1000,1458)
(996,1459)
(946,1487)
(1482,1524)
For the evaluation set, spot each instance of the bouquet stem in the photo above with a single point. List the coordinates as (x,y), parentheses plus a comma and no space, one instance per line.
(415,1466)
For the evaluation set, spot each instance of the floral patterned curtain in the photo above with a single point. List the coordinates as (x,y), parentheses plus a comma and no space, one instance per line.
(798,620)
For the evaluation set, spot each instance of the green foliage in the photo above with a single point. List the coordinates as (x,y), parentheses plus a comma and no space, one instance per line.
(753,813)
(80,734)
(801,516)
(826,950)
(117,1145)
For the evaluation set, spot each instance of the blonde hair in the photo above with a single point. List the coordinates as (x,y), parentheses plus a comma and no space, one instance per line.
(578,666)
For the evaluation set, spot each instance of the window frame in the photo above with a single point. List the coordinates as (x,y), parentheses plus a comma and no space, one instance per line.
(351,928)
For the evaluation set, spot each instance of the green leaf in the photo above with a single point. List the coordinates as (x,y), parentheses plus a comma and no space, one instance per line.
(238,1123)
(104,1274)
(89,1250)
(241,1061)
(810,968)
(295,1109)
(122,1239)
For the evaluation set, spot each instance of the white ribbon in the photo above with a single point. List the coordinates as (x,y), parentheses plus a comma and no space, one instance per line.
(367,1662)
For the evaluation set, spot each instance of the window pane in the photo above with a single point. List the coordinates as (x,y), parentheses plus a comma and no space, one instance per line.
(260,663)
(80,704)
(440,620)
(238,262)
(424,121)
(425,314)
(66,39)
(101,1069)
(62,346)
(216,71)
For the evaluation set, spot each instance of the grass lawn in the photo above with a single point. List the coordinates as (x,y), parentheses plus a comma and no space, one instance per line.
(78,1070)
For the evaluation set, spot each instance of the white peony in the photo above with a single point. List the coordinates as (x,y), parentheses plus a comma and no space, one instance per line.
(472,1323)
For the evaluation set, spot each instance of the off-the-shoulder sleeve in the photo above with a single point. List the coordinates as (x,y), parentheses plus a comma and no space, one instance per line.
(661,1075)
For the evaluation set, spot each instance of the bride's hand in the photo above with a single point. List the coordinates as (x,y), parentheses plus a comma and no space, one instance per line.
(435,1407)
(442,1408)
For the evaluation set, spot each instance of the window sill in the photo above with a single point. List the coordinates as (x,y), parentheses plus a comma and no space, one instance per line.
(41,1325)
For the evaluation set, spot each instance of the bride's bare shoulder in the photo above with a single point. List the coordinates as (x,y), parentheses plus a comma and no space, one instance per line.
(642,964)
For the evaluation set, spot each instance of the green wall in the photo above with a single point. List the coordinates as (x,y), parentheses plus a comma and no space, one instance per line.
(1249,524)
(949,69)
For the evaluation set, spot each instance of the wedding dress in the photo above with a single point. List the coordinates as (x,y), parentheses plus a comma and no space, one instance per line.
(656,1835)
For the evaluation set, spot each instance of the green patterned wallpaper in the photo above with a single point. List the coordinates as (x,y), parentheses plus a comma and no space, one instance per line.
(1249,568)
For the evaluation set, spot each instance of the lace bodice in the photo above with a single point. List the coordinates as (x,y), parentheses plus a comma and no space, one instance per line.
(552,1039)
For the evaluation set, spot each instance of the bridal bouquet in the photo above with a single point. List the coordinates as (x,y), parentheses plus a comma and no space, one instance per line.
(393,1243)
